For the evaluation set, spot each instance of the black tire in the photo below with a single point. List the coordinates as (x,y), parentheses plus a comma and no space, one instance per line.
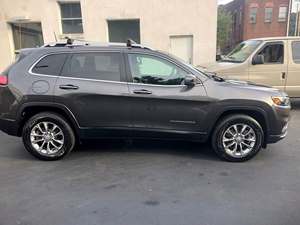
(221,128)
(52,118)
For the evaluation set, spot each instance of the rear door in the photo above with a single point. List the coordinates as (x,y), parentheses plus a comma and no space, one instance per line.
(159,99)
(274,70)
(293,79)
(92,85)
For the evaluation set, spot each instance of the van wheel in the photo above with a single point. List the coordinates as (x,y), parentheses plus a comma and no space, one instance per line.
(237,138)
(48,136)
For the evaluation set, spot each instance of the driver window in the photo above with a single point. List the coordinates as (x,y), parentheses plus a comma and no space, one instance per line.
(273,53)
(147,69)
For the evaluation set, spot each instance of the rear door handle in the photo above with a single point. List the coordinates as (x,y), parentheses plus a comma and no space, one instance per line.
(68,87)
(283,75)
(142,92)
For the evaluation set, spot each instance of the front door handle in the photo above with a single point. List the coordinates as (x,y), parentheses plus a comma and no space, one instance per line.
(68,87)
(283,75)
(142,92)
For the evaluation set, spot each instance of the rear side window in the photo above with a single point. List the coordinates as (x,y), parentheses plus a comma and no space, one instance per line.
(50,65)
(96,65)
(296,51)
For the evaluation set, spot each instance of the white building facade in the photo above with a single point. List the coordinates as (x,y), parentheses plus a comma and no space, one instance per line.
(186,28)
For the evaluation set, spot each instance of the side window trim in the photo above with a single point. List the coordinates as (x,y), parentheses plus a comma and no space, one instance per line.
(123,78)
(130,77)
(272,43)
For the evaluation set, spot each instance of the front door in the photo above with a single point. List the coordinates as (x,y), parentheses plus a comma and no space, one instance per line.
(274,70)
(159,100)
(92,85)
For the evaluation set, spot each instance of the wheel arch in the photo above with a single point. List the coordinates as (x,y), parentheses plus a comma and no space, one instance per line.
(256,113)
(31,109)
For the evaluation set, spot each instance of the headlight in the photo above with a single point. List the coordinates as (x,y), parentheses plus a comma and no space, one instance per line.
(281,101)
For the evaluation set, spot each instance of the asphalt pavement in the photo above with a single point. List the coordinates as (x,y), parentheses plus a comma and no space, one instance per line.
(146,182)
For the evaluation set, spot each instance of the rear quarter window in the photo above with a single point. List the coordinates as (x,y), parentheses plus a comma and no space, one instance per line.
(296,51)
(50,65)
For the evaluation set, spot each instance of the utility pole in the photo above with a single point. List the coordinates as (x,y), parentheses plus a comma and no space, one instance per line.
(289,18)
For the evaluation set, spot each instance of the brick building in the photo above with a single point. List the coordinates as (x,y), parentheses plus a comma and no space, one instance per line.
(257,18)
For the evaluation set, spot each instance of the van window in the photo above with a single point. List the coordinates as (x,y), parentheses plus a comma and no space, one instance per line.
(50,65)
(296,51)
(273,53)
(96,65)
(148,69)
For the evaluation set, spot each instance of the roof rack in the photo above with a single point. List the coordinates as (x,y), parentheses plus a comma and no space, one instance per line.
(77,43)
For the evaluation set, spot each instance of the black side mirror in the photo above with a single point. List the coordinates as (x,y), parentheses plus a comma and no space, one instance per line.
(258,59)
(190,80)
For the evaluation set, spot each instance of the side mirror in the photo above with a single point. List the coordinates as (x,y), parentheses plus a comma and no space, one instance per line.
(258,59)
(190,80)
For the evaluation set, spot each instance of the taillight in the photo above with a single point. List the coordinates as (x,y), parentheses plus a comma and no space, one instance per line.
(3,80)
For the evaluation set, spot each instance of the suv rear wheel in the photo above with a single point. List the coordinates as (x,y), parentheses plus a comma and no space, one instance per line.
(237,138)
(48,136)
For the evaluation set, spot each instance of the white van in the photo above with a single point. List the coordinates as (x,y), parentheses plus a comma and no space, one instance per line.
(269,61)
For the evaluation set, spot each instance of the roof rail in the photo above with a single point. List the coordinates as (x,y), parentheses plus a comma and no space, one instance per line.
(77,43)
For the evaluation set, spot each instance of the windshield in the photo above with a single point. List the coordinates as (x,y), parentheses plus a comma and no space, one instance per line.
(241,52)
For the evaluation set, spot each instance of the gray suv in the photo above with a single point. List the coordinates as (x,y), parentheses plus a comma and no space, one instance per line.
(58,94)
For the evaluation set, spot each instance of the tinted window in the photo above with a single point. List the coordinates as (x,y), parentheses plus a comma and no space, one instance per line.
(152,70)
(296,51)
(100,66)
(273,53)
(50,65)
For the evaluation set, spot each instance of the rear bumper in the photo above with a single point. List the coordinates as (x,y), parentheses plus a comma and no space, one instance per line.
(9,126)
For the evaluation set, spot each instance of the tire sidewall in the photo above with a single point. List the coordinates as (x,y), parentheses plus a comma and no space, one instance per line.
(224,125)
(69,139)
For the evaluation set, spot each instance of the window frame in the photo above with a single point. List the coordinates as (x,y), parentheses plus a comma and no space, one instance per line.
(271,43)
(250,15)
(62,19)
(292,48)
(130,77)
(123,77)
(268,20)
(281,19)
(41,58)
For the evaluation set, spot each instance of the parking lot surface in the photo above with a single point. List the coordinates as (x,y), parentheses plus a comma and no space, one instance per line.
(151,182)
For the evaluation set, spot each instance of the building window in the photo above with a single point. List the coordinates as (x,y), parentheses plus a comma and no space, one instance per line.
(122,30)
(27,35)
(71,18)
(253,15)
(268,15)
(282,13)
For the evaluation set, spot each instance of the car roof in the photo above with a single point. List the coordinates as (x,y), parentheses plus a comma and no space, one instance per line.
(86,46)
(277,38)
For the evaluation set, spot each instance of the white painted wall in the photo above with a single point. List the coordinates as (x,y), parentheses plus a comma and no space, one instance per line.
(159,19)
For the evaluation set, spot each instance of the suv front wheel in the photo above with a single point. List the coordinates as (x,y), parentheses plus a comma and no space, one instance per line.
(237,138)
(48,136)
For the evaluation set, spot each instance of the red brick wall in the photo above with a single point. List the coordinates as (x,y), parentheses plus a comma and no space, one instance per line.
(260,28)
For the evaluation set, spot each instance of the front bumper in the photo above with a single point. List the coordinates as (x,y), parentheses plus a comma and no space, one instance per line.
(280,126)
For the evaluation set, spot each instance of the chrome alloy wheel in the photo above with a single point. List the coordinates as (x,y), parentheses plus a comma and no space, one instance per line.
(47,138)
(239,140)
